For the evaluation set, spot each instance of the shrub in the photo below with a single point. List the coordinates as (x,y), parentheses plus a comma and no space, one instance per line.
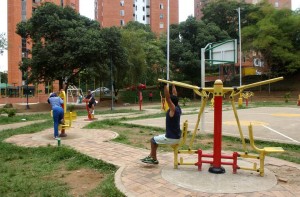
(9,111)
(287,96)
(185,101)
(71,108)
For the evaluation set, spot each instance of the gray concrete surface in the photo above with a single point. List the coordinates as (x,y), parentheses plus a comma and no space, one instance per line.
(279,124)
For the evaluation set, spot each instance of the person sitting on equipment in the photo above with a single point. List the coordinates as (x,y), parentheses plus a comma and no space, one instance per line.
(173,132)
(91,100)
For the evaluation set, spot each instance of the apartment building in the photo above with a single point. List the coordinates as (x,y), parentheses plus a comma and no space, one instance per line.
(150,12)
(199,4)
(21,10)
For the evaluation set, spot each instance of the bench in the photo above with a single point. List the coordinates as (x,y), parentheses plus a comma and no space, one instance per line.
(262,151)
(180,144)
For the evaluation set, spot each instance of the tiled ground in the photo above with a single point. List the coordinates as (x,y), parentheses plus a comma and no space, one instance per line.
(133,177)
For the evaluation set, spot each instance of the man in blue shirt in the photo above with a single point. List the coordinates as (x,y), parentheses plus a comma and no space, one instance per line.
(58,111)
(173,132)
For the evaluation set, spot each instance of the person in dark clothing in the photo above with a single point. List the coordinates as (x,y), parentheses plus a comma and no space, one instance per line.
(173,132)
(91,101)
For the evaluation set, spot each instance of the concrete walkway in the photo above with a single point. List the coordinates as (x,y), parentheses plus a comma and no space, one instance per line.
(134,178)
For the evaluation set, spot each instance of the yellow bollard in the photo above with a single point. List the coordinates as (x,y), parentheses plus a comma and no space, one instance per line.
(240,102)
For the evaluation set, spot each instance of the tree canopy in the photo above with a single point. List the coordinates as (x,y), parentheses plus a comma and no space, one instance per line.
(63,45)
(276,37)
(186,41)
(224,13)
(3,42)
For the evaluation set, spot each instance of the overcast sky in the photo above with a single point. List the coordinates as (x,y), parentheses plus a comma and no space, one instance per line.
(186,8)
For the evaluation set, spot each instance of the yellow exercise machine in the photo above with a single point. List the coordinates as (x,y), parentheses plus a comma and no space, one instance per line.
(68,116)
(218,92)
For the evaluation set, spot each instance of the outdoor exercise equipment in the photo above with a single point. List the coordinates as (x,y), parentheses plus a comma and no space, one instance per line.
(68,116)
(164,103)
(217,158)
(246,95)
(90,114)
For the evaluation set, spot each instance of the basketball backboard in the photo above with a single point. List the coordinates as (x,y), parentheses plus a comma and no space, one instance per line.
(223,53)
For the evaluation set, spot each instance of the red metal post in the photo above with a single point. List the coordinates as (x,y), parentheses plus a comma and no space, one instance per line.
(218,95)
(199,160)
(140,99)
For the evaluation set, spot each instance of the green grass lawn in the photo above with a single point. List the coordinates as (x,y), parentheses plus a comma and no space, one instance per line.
(29,171)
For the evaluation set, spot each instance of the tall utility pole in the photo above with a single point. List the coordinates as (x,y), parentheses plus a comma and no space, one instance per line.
(168,42)
(240,44)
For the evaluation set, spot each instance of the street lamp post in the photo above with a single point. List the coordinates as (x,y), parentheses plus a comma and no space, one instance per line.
(240,44)
(1,52)
(112,85)
(27,89)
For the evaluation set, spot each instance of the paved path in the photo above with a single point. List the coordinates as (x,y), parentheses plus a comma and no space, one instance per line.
(135,178)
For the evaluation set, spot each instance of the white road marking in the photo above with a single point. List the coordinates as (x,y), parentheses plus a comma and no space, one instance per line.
(280,134)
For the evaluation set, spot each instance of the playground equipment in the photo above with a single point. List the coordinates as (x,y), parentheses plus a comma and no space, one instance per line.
(68,116)
(90,114)
(246,95)
(72,91)
(164,104)
(216,161)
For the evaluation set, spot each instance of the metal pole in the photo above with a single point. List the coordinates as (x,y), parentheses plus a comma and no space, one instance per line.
(240,43)
(27,106)
(111,80)
(168,41)
(203,84)
(0,80)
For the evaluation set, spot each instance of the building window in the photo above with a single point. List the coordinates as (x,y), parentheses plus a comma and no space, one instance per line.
(135,8)
(161,16)
(121,3)
(122,12)
(23,11)
(122,22)
(161,6)
(143,17)
(161,25)
(143,8)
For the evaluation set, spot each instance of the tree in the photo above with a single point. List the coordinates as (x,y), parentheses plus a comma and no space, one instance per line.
(133,42)
(3,43)
(276,37)
(186,41)
(224,14)
(64,44)
(115,56)
(144,53)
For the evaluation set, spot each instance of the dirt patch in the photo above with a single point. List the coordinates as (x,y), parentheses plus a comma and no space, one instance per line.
(286,175)
(80,181)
